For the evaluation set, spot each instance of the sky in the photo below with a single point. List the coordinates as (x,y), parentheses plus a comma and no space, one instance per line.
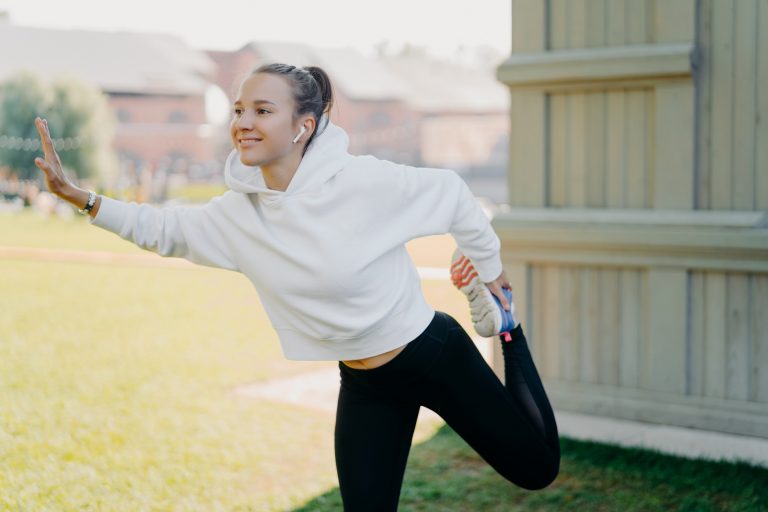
(440,26)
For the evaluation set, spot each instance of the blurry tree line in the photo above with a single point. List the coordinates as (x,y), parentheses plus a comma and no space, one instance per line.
(79,118)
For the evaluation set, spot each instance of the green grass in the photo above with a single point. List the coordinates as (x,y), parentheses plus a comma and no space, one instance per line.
(197,192)
(444,474)
(30,229)
(115,394)
(115,384)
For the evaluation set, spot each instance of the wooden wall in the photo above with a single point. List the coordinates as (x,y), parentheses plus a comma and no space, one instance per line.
(733,103)
(656,108)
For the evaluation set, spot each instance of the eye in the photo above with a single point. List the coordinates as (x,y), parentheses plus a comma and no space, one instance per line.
(263,110)
(237,111)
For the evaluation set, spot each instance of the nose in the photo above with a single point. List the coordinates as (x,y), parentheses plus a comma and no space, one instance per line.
(244,122)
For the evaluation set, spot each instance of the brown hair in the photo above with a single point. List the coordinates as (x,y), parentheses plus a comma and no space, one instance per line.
(311,88)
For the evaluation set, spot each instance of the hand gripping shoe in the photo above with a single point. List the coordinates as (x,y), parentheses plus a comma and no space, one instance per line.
(488,315)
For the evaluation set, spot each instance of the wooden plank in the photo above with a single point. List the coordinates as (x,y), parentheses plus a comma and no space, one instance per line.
(759,302)
(594,130)
(761,129)
(722,106)
(616,146)
(673,181)
(637,150)
(631,328)
(608,327)
(595,23)
(595,37)
(537,336)
(696,373)
(577,24)
(526,145)
(737,338)
(589,346)
(528,26)
(636,22)
(576,181)
(650,147)
(551,320)
(703,185)
(558,150)
(570,308)
(558,32)
(616,20)
(744,105)
(674,20)
(714,334)
(667,330)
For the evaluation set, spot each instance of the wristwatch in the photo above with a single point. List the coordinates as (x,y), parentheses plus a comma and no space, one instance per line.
(85,210)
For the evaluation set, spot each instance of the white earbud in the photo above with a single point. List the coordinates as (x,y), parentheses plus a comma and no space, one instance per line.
(295,140)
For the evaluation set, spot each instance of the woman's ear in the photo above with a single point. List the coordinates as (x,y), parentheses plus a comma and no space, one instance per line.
(298,135)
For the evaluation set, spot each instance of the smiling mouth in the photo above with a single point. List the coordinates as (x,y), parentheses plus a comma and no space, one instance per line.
(246,141)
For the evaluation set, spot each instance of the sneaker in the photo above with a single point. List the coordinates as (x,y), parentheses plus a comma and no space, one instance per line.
(488,315)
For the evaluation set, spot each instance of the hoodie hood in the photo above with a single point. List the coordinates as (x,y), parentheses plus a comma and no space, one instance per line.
(326,155)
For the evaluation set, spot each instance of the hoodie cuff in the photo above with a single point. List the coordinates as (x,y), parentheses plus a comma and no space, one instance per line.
(110,215)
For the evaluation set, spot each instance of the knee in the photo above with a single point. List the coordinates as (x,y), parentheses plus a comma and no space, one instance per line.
(540,479)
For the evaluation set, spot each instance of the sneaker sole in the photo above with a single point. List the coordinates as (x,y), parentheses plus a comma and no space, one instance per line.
(487,313)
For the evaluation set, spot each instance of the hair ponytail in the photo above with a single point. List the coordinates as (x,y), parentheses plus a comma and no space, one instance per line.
(326,90)
(312,91)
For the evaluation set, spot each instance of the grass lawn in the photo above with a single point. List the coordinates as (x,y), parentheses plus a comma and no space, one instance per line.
(444,474)
(115,395)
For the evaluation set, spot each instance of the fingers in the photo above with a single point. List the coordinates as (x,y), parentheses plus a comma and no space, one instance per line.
(52,160)
(47,142)
(496,290)
(45,138)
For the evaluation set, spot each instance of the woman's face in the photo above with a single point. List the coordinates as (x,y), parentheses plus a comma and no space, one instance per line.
(262,127)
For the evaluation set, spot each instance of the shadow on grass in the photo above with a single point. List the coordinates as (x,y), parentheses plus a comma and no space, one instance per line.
(444,474)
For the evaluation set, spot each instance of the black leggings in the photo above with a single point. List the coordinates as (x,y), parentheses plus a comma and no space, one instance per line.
(513,428)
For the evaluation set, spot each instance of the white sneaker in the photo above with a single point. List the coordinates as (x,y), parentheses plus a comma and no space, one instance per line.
(488,315)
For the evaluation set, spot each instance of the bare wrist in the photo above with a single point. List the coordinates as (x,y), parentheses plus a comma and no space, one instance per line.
(75,196)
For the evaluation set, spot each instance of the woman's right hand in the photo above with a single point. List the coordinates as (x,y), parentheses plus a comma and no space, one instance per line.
(55,179)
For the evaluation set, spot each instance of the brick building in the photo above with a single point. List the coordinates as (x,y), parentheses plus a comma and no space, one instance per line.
(408,108)
(155,83)
(368,100)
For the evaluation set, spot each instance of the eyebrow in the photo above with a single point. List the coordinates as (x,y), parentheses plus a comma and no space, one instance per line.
(255,102)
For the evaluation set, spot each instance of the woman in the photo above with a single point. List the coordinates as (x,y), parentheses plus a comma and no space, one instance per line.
(321,235)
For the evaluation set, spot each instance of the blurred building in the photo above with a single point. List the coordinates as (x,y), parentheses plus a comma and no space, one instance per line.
(368,100)
(410,108)
(155,83)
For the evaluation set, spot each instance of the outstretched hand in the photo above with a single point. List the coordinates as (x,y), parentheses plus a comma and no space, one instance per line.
(55,179)
(496,287)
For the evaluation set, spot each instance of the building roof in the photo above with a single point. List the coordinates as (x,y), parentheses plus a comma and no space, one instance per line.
(358,77)
(425,84)
(115,62)
(442,86)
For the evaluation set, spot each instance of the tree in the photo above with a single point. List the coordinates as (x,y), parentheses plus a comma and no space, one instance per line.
(79,118)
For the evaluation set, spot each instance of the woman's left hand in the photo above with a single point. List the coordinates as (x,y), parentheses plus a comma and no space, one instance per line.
(496,287)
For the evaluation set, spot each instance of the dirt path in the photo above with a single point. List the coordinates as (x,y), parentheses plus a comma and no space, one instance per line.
(143,260)
(103,257)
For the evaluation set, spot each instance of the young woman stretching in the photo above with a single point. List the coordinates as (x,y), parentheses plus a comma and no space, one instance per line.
(321,234)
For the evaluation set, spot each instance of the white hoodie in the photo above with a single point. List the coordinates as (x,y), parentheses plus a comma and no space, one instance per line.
(327,256)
